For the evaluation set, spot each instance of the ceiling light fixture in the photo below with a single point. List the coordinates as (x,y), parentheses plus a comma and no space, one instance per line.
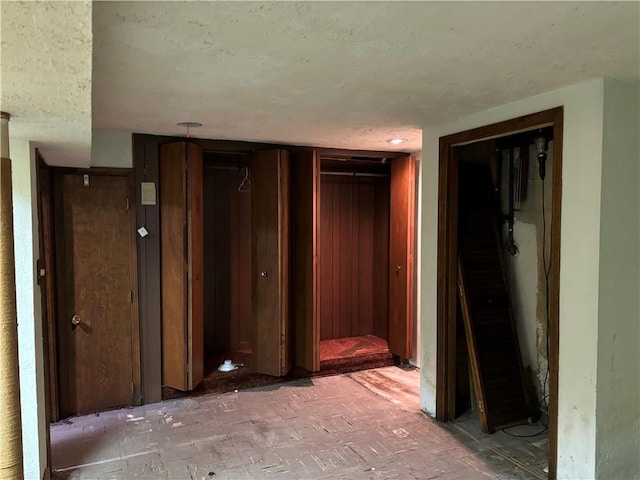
(189,125)
(396,141)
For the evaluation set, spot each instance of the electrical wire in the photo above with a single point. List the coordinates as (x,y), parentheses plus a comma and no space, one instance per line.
(547,270)
(546,267)
(544,429)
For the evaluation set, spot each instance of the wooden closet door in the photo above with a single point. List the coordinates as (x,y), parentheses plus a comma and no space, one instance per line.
(181,228)
(401,256)
(96,324)
(305,212)
(271,349)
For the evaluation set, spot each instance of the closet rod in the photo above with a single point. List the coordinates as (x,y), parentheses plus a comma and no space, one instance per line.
(355,174)
(221,167)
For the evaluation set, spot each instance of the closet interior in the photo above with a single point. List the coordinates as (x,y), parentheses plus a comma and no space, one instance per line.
(227,259)
(354,258)
(283,263)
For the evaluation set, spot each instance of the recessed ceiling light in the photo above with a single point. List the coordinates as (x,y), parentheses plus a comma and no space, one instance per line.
(396,141)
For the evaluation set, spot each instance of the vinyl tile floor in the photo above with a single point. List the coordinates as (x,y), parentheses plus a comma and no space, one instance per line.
(362,425)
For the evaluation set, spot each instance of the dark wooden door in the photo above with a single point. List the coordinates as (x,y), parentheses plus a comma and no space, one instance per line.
(305,213)
(271,348)
(401,256)
(94,253)
(492,339)
(181,225)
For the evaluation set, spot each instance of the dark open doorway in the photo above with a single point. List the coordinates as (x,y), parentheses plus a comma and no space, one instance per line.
(448,292)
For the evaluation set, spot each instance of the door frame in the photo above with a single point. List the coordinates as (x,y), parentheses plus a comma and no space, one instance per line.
(409,343)
(447,288)
(47,200)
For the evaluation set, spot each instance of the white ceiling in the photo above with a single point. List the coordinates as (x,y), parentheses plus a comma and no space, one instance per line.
(338,74)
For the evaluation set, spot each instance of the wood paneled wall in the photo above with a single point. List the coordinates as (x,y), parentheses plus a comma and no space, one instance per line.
(354,246)
(227,261)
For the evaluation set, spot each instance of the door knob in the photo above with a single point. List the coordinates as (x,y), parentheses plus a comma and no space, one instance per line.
(264,274)
(398,268)
(76,320)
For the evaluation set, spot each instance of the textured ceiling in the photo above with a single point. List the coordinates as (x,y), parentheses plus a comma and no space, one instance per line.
(45,82)
(340,74)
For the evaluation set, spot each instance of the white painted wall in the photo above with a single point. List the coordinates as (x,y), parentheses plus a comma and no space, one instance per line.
(523,276)
(618,397)
(110,148)
(30,340)
(526,270)
(579,261)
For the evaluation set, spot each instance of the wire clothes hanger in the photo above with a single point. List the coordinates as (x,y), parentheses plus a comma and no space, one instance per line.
(245,185)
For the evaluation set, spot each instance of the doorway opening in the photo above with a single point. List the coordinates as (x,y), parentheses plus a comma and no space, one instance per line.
(527,201)
(227,260)
(354,263)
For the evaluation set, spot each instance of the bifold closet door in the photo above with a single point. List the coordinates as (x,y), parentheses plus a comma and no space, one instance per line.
(401,256)
(305,211)
(181,226)
(270,329)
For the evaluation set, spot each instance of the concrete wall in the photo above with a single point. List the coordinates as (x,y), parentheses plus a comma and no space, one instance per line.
(618,392)
(30,341)
(579,261)
(110,148)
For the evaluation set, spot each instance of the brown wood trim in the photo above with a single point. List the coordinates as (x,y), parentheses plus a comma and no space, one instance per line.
(508,127)
(554,290)
(315,313)
(447,248)
(345,153)
(47,287)
(242,147)
(447,282)
(47,283)
(207,145)
(135,316)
